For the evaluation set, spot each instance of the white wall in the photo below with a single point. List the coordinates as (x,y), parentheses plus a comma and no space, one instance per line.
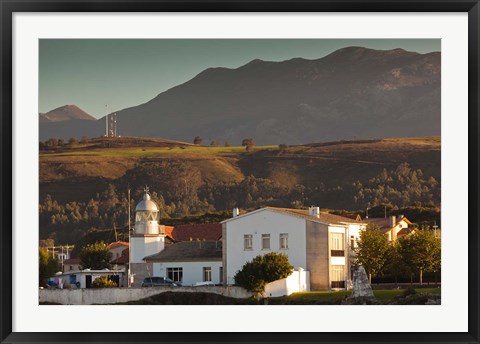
(265,221)
(103,296)
(192,271)
(142,246)
(298,281)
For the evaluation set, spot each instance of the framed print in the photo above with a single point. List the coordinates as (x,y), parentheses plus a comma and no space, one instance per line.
(215,172)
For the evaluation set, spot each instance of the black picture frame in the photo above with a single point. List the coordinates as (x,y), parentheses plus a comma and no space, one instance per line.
(8,7)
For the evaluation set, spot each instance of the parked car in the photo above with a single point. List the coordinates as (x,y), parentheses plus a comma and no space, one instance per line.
(159,282)
(203,284)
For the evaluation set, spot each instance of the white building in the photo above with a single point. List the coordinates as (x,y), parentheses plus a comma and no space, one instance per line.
(393,227)
(189,262)
(85,278)
(319,243)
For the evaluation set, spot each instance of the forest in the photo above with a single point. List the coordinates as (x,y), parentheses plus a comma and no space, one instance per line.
(184,197)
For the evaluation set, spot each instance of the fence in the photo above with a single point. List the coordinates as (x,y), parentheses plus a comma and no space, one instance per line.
(92,296)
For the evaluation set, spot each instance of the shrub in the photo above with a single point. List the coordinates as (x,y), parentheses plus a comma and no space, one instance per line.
(104,282)
(263,269)
(409,291)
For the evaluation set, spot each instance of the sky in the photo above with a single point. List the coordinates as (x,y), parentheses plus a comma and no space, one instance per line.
(121,73)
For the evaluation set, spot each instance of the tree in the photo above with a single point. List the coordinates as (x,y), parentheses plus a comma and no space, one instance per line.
(51,142)
(421,252)
(283,148)
(197,140)
(72,141)
(47,266)
(248,142)
(95,257)
(394,265)
(104,282)
(371,251)
(263,269)
(215,143)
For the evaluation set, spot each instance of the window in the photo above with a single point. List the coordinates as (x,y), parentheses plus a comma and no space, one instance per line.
(337,245)
(247,241)
(283,241)
(338,276)
(146,216)
(207,274)
(175,274)
(221,274)
(265,241)
(352,241)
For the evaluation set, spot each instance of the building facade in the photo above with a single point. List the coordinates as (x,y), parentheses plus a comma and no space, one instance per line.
(319,243)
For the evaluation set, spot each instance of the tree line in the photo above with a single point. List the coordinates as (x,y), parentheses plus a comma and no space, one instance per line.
(180,191)
(409,255)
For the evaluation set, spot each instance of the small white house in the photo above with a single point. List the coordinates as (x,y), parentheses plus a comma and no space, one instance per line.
(319,243)
(189,262)
(84,278)
(393,226)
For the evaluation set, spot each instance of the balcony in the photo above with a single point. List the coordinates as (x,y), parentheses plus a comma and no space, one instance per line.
(338,284)
(337,253)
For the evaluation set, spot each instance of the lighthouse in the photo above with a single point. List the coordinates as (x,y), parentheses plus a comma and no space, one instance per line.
(148,237)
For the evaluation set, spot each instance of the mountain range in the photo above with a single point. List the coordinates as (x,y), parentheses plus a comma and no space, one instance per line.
(354,92)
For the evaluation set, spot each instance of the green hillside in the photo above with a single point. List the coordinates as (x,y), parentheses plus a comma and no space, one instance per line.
(194,180)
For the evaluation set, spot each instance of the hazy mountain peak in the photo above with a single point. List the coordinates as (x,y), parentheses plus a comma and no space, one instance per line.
(353,92)
(65,113)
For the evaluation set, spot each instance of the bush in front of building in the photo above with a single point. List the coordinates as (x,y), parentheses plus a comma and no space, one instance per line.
(104,282)
(263,269)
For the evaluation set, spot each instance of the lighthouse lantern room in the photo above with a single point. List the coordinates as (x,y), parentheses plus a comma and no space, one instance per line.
(148,236)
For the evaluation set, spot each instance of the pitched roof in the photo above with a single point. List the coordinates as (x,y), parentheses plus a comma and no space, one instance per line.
(123,259)
(384,223)
(208,231)
(117,244)
(168,231)
(72,261)
(189,251)
(323,217)
(405,231)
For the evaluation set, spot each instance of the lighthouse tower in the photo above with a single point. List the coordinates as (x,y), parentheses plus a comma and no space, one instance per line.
(148,237)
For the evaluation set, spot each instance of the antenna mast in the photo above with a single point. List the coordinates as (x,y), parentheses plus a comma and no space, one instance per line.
(106,121)
(129,246)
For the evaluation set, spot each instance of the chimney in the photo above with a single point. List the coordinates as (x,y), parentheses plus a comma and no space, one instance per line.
(314,211)
(236,212)
(392,221)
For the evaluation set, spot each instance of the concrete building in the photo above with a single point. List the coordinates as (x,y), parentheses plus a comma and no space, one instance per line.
(393,226)
(84,278)
(148,238)
(319,243)
(159,251)
(189,262)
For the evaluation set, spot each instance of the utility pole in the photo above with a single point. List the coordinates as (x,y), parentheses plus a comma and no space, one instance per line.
(129,248)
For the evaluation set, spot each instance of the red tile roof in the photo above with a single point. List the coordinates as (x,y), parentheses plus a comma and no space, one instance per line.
(323,217)
(72,261)
(117,244)
(208,231)
(168,231)
(186,251)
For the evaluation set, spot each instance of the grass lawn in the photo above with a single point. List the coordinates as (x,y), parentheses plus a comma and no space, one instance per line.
(335,297)
(157,151)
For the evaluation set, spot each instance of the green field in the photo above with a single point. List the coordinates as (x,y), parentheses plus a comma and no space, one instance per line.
(306,298)
(335,297)
(156,151)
